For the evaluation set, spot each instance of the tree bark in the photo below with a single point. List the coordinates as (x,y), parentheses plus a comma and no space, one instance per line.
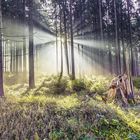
(17,59)
(24,43)
(56,27)
(72,43)
(31,47)
(61,46)
(101,53)
(14,60)
(130,40)
(1,54)
(11,57)
(24,57)
(65,36)
(117,46)
(20,60)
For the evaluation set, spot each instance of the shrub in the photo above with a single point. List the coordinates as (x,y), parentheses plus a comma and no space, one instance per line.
(78,85)
(59,87)
(99,85)
(56,135)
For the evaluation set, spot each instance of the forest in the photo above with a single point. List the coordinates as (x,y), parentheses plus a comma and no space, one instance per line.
(69,70)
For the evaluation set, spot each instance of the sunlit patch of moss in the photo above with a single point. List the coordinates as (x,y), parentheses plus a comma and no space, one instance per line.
(128,117)
(33,99)
(68,102)
(60,101)
(99,85)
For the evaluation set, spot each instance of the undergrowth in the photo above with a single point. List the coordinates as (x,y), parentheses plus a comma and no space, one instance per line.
(65,110)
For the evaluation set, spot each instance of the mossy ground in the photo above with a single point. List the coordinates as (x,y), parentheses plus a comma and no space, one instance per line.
(65,110)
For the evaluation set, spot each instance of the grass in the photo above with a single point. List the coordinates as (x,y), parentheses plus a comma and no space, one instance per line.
(69,110)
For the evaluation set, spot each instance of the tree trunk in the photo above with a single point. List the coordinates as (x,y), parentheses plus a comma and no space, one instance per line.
(14,55)
(17,59)
(101,21)
(101,54)
(31,47)
(24,57)
(56,39)
(65,37)
(61,46)
(24,43)
(130,39)
(117,46)
(5,56)
(136,62)
(72,43)
(20,60)
(1,59)
(11,57)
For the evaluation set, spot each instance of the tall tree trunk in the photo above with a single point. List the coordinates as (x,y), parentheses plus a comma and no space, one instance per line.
(61,46)
(136,62)
(56,52)
(108,41)
(61,73)
(81,18)
(101,21)
(110,53)
(130,39)
(72,43)
(1,58)
(24,57)
(56,27)
(14,55)
(98,35)
(20,60)
(11,57)
(122,38)
(24,43)
(101,38)
(31,47)
(117,46)
(5,56)
(17,59)
(65,36)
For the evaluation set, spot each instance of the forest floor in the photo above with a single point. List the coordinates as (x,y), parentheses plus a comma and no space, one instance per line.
(66,110)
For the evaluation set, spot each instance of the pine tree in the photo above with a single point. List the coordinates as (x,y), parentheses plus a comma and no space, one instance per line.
(1,55)
(31,47)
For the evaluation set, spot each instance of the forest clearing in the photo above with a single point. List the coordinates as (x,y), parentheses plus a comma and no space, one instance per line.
(69,70)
